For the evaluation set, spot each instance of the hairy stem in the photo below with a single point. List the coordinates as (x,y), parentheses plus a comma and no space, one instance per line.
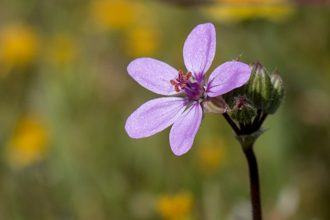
(242,135)
(254,182)
(232,123)
(262,119)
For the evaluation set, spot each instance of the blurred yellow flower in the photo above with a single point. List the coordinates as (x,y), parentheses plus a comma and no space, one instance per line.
(112,14)
(28,143)
(211,154)
(19,45)
(250,2)
(175,207)
(63,49)
(233,11)
(143,41)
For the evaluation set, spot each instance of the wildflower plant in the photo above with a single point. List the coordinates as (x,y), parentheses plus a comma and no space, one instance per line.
(190,94)
(243,94)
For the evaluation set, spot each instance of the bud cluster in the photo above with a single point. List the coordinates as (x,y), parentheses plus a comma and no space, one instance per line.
(261,95)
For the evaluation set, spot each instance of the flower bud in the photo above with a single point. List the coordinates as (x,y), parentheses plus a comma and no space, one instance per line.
(215,105)
(243,110)
(277,93)
(230,96)
(260,86)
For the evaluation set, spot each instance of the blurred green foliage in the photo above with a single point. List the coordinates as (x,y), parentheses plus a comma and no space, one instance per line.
(65,95)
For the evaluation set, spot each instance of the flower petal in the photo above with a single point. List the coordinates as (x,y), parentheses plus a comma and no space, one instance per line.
(153,74)
(184,129)
(199,50)
(226,77)
(154,116)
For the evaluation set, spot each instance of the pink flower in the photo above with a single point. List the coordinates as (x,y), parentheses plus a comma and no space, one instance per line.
(185,113)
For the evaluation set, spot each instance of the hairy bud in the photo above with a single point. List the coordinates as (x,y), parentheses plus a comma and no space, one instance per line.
(243,110)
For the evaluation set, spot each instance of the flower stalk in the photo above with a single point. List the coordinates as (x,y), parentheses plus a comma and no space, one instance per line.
(254,182)
(250,105)
(246,137)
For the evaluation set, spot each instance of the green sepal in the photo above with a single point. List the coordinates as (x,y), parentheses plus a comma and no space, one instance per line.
(277,93)
(260,87)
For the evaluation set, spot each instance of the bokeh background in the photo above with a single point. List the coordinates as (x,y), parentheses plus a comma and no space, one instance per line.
(65,95)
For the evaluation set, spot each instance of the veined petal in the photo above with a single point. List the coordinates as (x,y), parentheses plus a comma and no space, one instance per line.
(184,129)
(153,74)
(199,50)
(154,116)
(226,77)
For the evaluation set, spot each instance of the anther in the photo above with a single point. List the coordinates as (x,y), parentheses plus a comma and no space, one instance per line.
(187,76)
(173,82)
(180,77)
(181,81)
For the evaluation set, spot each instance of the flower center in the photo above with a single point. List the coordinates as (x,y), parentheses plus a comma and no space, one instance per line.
(183,83)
